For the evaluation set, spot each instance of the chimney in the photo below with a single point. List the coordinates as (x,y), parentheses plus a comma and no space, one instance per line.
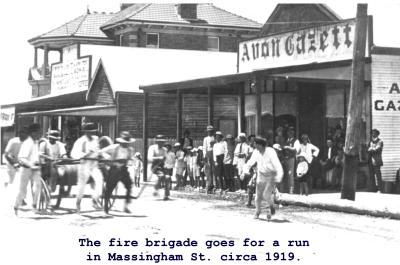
(187,11)
(125,5)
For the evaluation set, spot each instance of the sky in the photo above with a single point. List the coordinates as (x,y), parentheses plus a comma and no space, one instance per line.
(26,19)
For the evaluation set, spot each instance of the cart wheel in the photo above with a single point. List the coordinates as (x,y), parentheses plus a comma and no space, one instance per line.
(112,198)
(44,197)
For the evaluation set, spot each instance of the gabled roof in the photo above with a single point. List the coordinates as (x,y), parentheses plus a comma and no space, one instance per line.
(87,25)
(292,16)
(207,15)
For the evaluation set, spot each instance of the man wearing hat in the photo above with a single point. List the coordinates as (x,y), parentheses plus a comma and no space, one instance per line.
(11,154)
(208,143)
(86,148)
(269,172)
(179,165)
(120,155)
(156,156)
(375,161)
(229,169)
(30,171)
(290,149)
(242,152)
(50,151)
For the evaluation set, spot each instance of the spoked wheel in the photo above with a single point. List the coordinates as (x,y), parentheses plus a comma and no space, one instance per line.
(44,196)
(112,198)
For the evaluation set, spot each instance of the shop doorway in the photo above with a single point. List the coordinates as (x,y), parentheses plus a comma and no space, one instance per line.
(311,112)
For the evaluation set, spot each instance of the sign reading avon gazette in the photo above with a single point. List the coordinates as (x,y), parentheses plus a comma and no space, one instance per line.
(72,74)
(312,45)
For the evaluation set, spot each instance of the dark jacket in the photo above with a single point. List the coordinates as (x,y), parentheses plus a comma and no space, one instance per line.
(375,148)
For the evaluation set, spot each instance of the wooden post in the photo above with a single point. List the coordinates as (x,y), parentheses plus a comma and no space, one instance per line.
(35,59)
(178,115)
(210,106)
(257,83)
(354,115)
(241,109)
(45,60)
(145,133)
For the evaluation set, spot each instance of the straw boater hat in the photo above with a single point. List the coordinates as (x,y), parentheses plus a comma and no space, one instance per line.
(210,128)
(125,138)
(219,133)
(260,140)
(242,135)
(53,134)
(89,127)
(160,138)
(177,145)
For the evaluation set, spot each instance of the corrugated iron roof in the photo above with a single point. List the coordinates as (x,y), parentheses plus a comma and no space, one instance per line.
(207,14)
(87,25)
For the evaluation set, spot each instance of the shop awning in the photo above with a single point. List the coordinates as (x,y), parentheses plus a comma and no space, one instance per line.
(102,110)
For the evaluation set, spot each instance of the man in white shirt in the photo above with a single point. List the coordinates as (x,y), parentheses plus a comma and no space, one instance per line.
(30,171)
(120,154)
(156,156)
(208,143)
(241,154)
(50,151)
(11,154)
(86,148)
(219,150)
(269,172)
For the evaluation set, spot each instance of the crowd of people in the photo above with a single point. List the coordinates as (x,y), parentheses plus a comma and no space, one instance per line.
(248,164)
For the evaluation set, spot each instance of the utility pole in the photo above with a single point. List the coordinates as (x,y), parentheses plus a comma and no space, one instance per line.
(354,113)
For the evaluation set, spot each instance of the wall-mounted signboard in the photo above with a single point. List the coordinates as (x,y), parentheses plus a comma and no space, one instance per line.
(326,43)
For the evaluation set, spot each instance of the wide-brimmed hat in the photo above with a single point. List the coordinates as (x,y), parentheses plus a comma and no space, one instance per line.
(125,138)
(219,133)
(376,131)
(160,138)
(210,128)
(34,127)
(260,140)
(277,147)
(177,145)
(138,155)
(242,135)
(53,134)
(89,127)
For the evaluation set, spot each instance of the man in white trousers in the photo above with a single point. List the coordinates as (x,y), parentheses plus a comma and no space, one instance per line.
(269,172)
(86,148)
(28,156)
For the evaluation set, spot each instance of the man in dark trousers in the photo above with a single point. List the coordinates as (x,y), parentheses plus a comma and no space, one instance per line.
(375,162)
(120,155)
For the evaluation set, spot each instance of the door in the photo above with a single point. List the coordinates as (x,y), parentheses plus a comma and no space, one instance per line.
(311,112)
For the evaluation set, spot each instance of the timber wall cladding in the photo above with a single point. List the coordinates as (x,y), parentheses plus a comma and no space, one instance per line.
(194,115)
(130,114)
(101,94)
(162,115)
(386,110)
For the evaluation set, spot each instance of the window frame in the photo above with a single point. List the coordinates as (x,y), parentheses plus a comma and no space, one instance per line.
(158,40)
(213,49)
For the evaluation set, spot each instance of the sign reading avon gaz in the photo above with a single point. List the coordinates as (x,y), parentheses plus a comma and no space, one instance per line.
(312,45)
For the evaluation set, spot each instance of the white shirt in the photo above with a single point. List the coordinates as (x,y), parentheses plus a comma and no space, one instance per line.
(170,160)
(84,146)
(13,147)
(54,151)
(29,152)
(310,150)
(242,149)
(207,144)
(180,159)
(155,151)
(268,164)
(219,148)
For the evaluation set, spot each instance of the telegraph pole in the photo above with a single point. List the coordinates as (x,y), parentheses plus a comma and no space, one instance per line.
(354,113)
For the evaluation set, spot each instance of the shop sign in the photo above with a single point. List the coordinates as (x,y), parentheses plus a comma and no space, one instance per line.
(70,75)
(7,116)
(385,105)
(312,45)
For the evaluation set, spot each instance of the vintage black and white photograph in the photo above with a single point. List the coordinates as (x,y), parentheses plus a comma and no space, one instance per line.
(204,132)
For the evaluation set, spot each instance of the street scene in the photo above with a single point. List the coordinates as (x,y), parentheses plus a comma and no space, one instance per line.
(193,133)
